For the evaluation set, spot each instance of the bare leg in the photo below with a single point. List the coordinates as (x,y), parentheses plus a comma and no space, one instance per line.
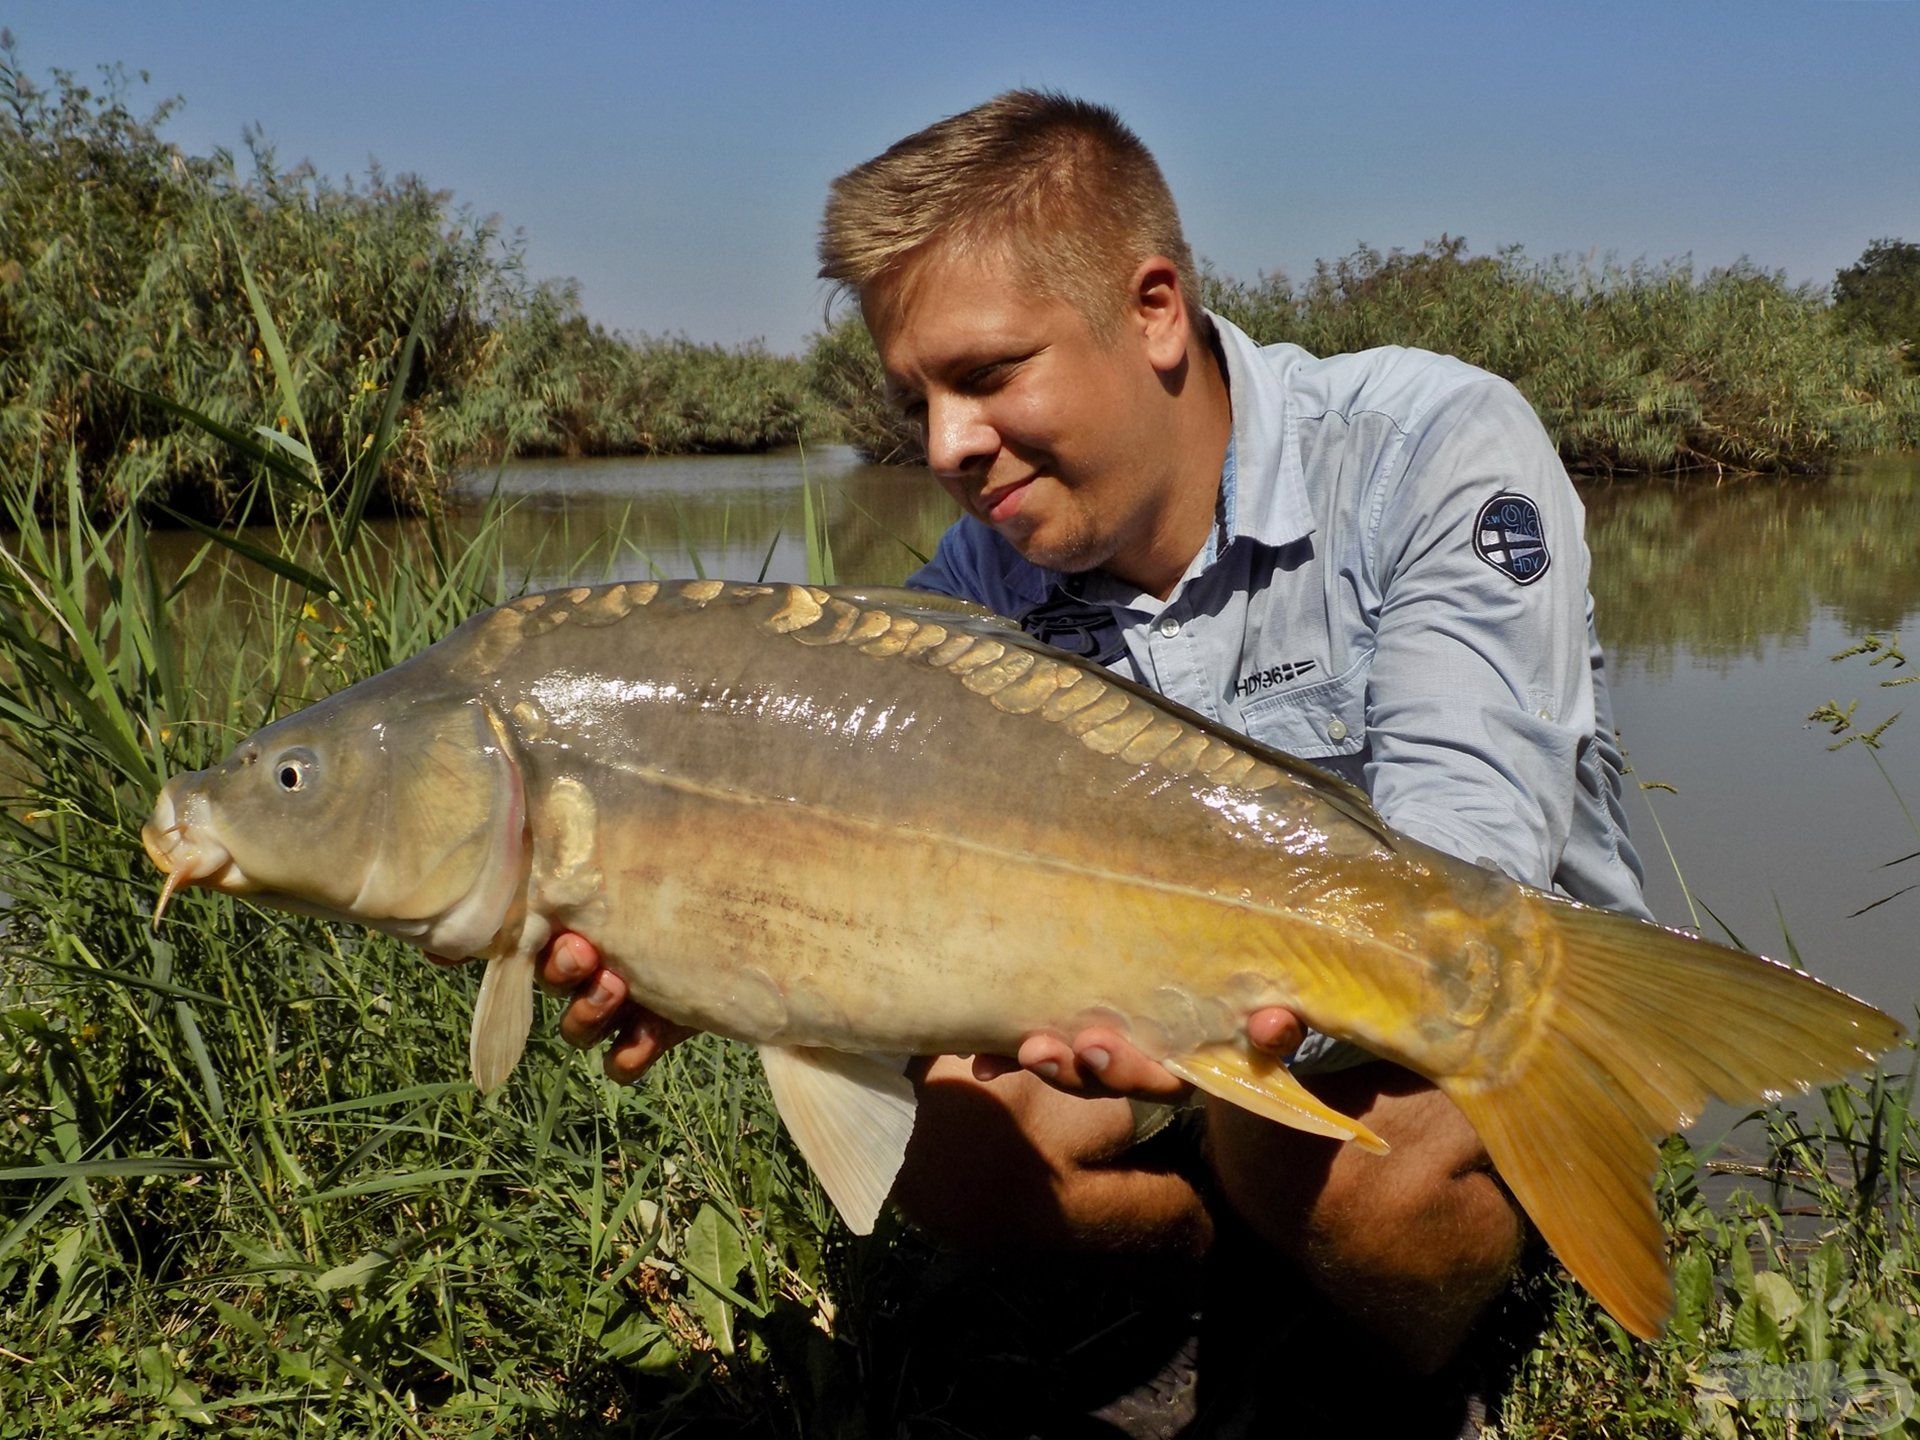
(1413,1244)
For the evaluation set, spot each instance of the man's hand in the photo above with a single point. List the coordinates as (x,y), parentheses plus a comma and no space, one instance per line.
(600,1009)
(1101,1061)
(570,966)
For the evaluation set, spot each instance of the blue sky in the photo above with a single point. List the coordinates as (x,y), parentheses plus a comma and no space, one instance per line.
(674,158)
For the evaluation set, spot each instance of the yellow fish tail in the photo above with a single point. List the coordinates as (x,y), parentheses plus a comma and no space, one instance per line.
(1642,1026)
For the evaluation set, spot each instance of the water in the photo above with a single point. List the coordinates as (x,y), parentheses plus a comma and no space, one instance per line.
(1719,609)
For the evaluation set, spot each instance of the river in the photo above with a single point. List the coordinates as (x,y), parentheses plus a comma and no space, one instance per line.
(1719,608)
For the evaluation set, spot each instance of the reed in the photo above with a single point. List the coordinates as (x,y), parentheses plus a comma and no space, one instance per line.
(1634,369)
(133,275)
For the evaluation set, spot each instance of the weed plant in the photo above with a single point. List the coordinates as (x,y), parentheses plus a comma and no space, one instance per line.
(1638,369)
(129,270)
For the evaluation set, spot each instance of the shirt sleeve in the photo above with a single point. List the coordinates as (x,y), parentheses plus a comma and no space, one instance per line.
(1480,699)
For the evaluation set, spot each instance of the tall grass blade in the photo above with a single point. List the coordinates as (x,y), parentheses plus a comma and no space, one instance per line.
(366,468)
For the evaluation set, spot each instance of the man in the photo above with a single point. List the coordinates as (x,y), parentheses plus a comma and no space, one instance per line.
(1373,561)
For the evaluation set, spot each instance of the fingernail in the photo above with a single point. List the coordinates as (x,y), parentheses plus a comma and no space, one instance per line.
(605,991)
(1096,1058)
(1046,1069)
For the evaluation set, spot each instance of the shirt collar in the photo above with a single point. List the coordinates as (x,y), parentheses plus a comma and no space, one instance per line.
(1270,489)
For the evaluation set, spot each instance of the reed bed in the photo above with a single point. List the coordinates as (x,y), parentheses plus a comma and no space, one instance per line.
(132,275)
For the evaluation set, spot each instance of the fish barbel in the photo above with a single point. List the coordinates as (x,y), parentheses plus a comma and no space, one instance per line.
(838,823)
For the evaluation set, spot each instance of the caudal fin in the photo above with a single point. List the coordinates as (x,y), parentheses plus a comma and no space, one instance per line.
(1641,1028)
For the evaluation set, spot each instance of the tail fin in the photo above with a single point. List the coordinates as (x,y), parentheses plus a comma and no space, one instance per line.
(1642,1026)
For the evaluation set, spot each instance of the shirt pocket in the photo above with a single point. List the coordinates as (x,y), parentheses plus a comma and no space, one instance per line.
(1318,721)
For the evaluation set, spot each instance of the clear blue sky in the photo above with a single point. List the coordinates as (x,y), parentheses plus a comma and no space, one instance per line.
(673,158)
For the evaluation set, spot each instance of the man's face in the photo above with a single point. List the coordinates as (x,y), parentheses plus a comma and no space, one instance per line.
(1046,431)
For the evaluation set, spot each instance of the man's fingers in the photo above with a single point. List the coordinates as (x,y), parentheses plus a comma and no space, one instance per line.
(641,1038)
(1113,1063)
(1276,1030)
(1098,1062)
(567,960)
(992,1067)
(589,1015)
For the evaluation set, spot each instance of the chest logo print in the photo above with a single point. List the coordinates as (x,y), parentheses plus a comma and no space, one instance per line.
(1273,675)
(1511,537)
(1076,626)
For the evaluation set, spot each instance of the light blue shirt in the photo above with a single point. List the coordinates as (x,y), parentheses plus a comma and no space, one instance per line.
(1396,590)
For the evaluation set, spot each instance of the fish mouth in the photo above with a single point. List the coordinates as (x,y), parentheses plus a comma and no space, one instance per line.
(181,843)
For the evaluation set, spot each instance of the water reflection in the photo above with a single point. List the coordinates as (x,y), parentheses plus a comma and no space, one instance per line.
(742,516)
(1692,573)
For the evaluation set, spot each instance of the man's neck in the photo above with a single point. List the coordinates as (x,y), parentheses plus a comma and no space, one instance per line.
(1179,527)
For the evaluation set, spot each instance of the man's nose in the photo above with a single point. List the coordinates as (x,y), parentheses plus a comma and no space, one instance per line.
(959,439)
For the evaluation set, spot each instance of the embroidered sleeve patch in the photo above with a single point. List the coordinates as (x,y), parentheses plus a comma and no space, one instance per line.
(1511,537)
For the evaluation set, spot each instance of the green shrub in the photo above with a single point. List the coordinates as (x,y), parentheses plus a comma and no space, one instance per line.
(126,266)
(843,369)
(1639,369)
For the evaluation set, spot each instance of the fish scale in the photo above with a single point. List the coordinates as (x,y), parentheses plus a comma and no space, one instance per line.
(832,822)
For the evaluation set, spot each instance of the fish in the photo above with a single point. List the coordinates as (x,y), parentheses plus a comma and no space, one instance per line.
(841,825)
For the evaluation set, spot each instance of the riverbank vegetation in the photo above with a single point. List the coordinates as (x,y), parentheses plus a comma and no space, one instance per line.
(245,1188)
(1634,369)
(134,276)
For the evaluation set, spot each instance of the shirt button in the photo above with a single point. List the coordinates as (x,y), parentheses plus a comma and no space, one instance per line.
(1336,730)
(1169,627)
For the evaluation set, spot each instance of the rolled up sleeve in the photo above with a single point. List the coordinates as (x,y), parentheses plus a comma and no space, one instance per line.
(1479,699)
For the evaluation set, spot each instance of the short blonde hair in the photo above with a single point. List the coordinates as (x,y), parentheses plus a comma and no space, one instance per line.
(1059,186)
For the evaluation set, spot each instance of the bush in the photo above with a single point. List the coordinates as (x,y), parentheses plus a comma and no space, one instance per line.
(123,260)
(1879,295)
(125,266)
(843,369)
(1637,369)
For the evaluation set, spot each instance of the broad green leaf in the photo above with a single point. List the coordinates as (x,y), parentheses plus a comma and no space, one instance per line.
(1778,1297)
(714,1256)
(1754,1330)
(1692,1296)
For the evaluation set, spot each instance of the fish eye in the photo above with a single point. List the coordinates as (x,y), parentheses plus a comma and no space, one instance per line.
(291,770)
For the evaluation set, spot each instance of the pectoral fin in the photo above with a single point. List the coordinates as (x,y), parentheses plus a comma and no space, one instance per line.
(851,1116)
(1263,1085)
(502,1017)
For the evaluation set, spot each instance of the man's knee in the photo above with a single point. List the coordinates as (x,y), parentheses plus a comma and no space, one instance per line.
(1430,1211)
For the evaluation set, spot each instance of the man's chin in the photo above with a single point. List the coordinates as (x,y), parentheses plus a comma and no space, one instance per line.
(1068,554)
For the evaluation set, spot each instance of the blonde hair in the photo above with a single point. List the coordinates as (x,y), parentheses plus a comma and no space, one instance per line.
(1059,186)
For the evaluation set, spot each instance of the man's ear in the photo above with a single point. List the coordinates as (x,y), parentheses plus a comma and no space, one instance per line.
(1157,309)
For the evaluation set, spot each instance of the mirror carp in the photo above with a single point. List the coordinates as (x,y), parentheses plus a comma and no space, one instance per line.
(839,823)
